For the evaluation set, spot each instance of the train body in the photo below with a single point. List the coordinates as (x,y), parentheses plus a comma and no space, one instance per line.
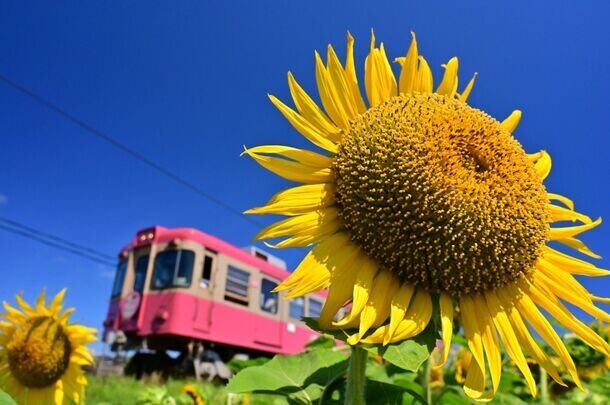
(176,287)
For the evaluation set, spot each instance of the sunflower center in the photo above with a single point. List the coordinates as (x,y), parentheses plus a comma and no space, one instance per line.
(440,194)
(39,352)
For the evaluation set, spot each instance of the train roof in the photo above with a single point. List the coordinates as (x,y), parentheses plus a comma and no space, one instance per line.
(161,234)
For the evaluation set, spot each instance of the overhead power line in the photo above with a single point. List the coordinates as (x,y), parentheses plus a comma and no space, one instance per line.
(55,238)
(56,242)
(126,149)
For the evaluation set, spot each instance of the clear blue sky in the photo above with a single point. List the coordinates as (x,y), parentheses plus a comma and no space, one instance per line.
(185,84)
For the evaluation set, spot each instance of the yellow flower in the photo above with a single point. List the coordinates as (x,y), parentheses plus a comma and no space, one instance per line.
(462,363)
(437,375)
(41,354)
(193,392)
(423,199)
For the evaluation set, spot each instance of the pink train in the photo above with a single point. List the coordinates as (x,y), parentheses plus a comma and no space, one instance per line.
(181,289)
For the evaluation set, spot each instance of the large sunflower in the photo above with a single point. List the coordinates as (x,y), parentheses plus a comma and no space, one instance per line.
(423,201)
(41,354)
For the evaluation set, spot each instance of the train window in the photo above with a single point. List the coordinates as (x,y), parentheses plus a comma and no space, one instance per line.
(140,273)
(268,300)
(173,268)
(236,289)
(297,308)
(315,308)
(206,273)
(117,287)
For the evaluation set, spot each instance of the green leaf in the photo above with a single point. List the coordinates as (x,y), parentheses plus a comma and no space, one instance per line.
(379,393)
(322,342)
(507,399)
(5,399)
(312,323)
(236,365)
(375,393)
(452,398)
(409,354)
(302,377)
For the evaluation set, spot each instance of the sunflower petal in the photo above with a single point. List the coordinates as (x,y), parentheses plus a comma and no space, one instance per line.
(314,271)
(490,341)
(579,246)
(329,96)
(579,299)
(342,90)
(446,312)
(511,122)
(340,289)
(398,309)
(417,317)
(312,225)
(565,200)
(311,112)
(425,80)
(449,83)
(509,338)
(528,342)
(466,92)
(573,265)
(570,231)
(361,292)
(512,295)
(562,315)
(377,308)
(542,163)
(379,80)
(408,74)
(350,74)
(303,166)
(298,200)
(304,126)
(563,214)
(474,386)
(56,303)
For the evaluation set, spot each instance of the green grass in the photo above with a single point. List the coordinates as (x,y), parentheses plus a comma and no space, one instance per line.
(125,390)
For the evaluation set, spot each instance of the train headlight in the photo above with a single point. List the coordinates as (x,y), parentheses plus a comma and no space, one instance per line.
(146,235)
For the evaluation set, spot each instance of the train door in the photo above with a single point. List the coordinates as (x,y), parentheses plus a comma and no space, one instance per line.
(205,283)
(134,287)
(268,329)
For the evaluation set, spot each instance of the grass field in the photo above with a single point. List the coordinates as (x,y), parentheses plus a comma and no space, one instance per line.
(120,390)
(125,390)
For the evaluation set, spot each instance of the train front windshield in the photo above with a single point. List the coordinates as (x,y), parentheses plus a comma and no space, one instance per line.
(119,277)
(173,269)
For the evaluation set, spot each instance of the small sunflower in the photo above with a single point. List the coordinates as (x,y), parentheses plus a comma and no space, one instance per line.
(193,392)
(41,354)
(464,358)
(423,201)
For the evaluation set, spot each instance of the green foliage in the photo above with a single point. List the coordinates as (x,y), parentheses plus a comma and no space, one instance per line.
(301,378)
(583,354)
(5,399)
(321,342)
(155,396)
(407,355)
(236,365)
(318,375)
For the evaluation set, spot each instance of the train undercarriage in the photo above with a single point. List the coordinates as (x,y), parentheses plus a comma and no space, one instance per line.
(164,356)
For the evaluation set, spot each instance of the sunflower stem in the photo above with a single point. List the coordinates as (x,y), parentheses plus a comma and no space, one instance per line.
(354,390)
(426,380)
(544,386)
